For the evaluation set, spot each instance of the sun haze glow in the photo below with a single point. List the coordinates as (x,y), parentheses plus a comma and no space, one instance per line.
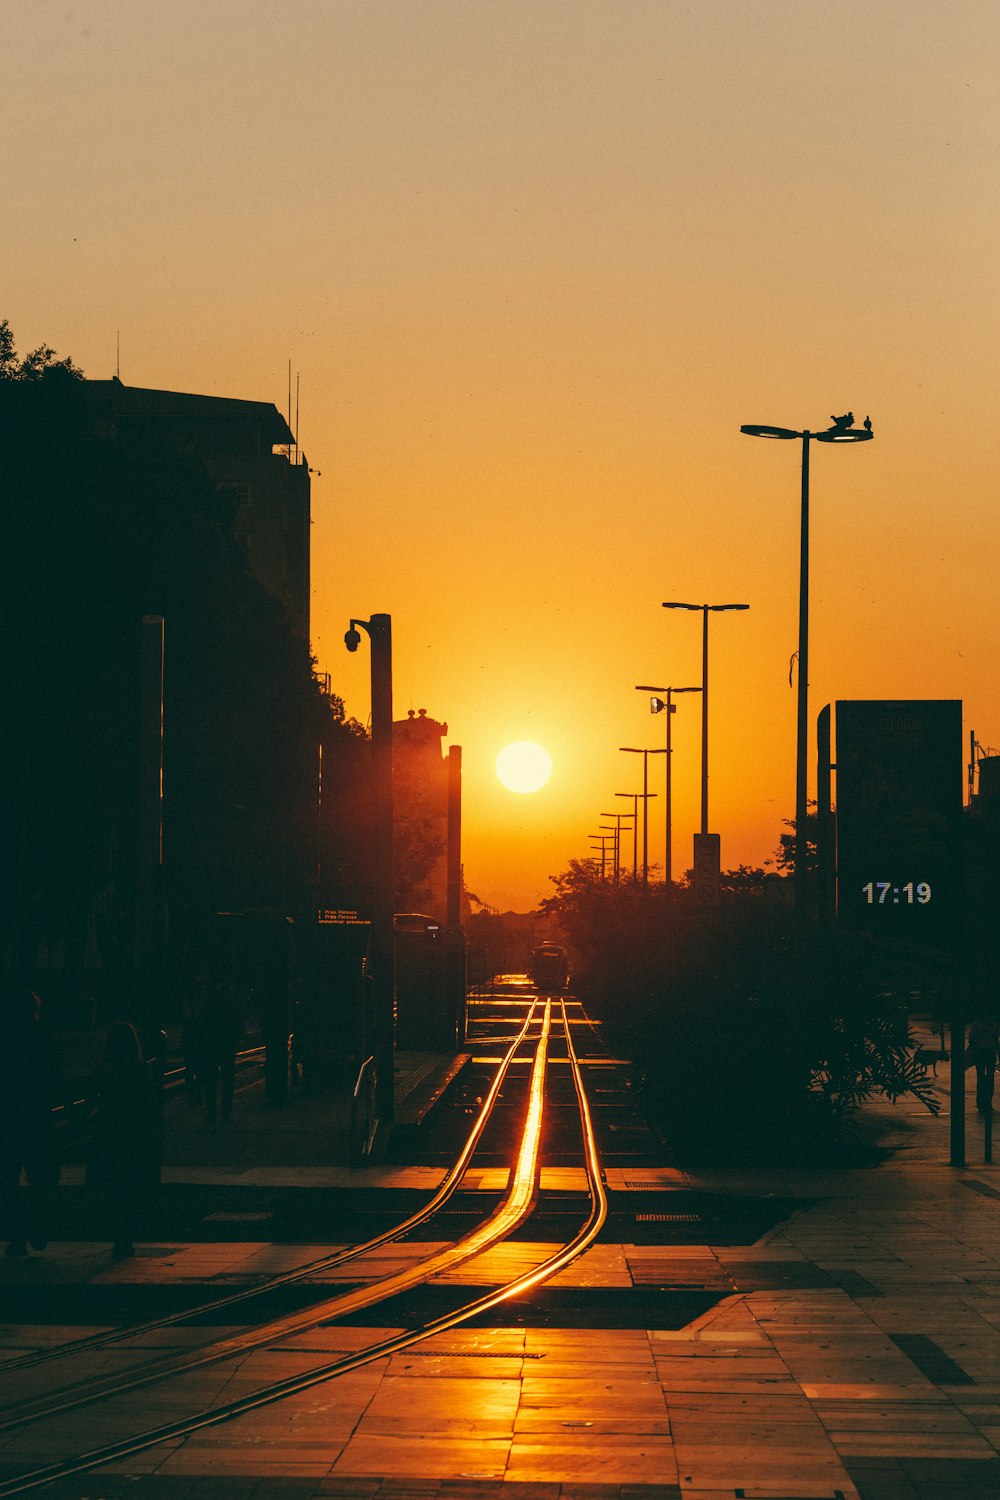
(519,307)
(524,766)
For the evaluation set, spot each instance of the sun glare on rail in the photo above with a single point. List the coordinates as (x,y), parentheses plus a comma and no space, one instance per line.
(524,766)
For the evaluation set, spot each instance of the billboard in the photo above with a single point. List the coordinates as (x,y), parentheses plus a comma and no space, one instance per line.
(898,766)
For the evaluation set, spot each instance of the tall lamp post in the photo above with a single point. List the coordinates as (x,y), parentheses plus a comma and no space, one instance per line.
(617,831)
(636,798)
(705,610)
(659,705)
(379,631)
(599,838)
(613,841)
(842,431)
(634,750)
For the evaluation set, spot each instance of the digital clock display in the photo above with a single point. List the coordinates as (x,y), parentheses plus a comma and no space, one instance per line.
(884,893)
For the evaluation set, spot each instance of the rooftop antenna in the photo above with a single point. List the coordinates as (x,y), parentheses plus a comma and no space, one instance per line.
(118,354)
(298,377)
(289,402)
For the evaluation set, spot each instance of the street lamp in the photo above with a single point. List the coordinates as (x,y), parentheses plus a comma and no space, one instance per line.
(633,750)
(842,431)
(600,838)
(613,841)
(715,609)
(658,706)
(636,798)
(618,835)
(379,631)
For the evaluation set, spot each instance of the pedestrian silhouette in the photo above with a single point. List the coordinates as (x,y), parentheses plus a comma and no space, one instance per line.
(128,1140)
(29,1091)
(219,1030)
(981,1053)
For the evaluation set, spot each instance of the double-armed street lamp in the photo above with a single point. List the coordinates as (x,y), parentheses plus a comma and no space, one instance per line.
(706,609)
(600,838)
(646,794)
(659,705)
(379,631)
(636,798)
(617,831)
(842,431)
(613,841)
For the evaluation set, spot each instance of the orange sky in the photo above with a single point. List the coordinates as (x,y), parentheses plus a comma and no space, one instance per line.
(536,261)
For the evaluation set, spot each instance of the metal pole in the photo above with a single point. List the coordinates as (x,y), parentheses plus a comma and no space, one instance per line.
(704,720)
(635,834)
(634,815)
(957,1079)
(383,913)
(668,859)
(802,729)
(645,818)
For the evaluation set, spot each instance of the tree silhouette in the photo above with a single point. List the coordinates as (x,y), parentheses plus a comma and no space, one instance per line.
(785,854)
(39,364)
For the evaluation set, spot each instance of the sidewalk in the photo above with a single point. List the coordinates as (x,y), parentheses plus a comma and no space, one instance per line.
(854,1353)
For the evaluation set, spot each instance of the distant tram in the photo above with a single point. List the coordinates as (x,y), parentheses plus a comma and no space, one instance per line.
(547,967)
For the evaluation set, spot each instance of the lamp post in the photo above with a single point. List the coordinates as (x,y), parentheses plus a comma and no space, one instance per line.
(613,841)
(618,836)
(659,705)
(638,797)
(379,631)
(634,750)
(705,609)
(842,431)
(600,838)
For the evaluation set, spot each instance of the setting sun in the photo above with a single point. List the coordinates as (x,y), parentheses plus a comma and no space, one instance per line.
(524,766)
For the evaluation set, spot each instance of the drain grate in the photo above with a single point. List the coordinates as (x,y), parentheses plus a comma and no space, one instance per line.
(473,1354)
(247,1217)
(668,1218)
(759,1495)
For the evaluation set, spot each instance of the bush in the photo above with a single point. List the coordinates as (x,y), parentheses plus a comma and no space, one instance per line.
(746,1043)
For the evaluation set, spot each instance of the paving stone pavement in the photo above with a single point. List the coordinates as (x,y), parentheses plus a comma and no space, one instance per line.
(854,1355)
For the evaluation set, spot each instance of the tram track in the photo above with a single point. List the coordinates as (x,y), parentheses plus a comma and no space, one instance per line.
(514,1210)
(444,1193)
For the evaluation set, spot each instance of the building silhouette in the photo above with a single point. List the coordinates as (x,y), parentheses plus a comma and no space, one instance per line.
(186,515)
(420,802)
(249,452)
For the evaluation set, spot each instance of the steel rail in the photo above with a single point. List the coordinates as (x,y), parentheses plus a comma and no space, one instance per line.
(444,1192)
(294,1384)
(502,1222)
